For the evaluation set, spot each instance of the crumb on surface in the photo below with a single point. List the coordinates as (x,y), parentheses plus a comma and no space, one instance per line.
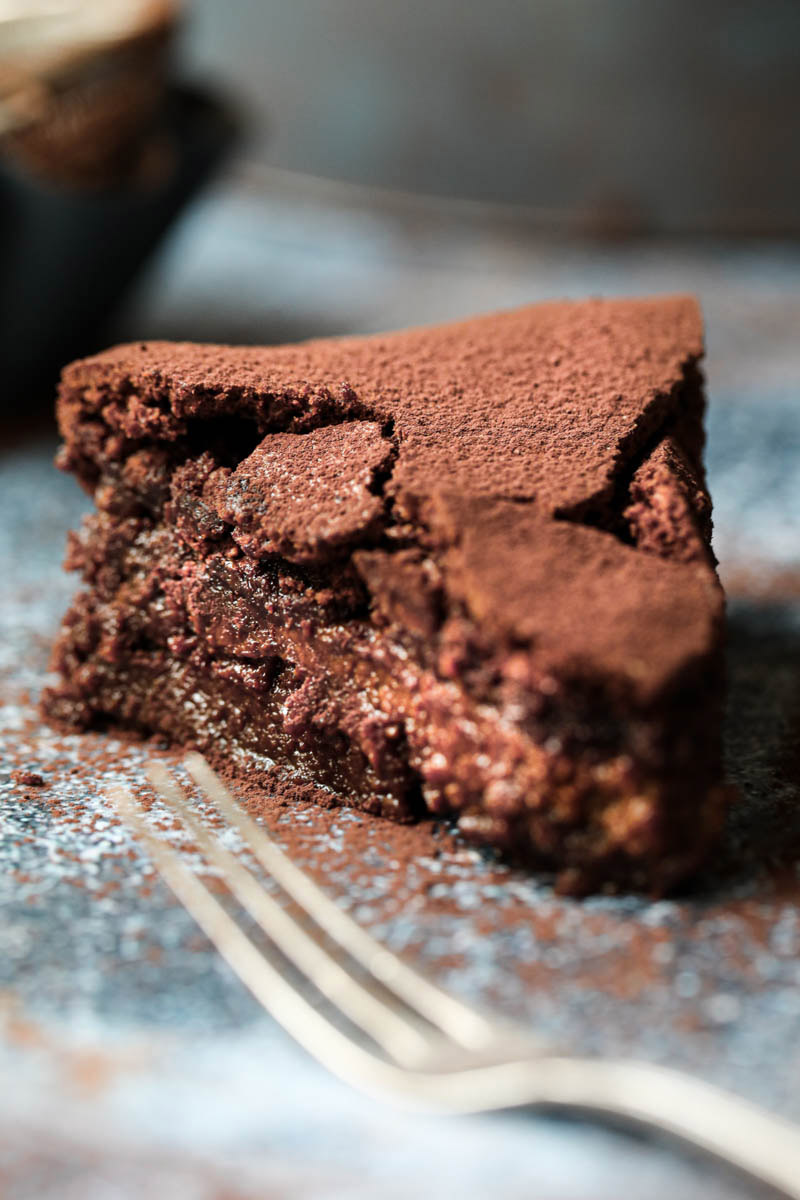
(27,778)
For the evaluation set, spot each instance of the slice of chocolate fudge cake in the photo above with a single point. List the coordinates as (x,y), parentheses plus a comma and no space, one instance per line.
(462,571)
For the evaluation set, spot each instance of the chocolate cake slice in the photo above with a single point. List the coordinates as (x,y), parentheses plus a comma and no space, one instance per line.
(462,571)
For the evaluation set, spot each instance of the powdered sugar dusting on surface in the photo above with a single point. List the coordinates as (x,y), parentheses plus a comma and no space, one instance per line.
(127,1037)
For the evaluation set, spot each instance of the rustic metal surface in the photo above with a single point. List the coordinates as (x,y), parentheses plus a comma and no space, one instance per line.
(132,1058)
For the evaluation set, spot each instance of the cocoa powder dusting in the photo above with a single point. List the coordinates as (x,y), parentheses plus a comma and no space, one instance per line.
(90,928)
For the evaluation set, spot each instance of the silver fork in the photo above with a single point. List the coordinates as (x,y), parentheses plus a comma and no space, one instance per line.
(406,1039)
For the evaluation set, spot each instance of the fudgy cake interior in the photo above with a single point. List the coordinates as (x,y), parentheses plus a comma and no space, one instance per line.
(463,571)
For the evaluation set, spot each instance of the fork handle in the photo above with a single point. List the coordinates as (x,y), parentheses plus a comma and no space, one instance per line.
(739,1133)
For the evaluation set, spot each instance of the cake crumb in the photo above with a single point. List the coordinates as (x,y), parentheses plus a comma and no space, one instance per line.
(27,778)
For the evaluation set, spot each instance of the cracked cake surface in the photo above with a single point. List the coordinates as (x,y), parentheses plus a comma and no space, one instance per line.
(462,570)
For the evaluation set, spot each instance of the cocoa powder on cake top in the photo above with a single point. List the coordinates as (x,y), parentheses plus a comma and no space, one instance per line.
(499,423)
(540,404)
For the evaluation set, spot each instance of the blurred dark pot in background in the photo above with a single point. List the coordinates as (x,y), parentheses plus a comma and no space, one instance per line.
(98,153)
(67,254)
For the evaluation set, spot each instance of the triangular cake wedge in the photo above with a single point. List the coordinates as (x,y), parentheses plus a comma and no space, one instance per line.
(462,570)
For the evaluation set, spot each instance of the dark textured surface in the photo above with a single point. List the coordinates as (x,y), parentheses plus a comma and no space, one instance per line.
(93,943)
(138,1061)
(114,1004)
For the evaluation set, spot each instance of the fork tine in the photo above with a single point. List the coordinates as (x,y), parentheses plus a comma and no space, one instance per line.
(398,1036)
(460,1022)
(310,1028)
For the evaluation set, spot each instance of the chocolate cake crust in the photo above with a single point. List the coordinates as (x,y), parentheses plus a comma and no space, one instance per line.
(463,570)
